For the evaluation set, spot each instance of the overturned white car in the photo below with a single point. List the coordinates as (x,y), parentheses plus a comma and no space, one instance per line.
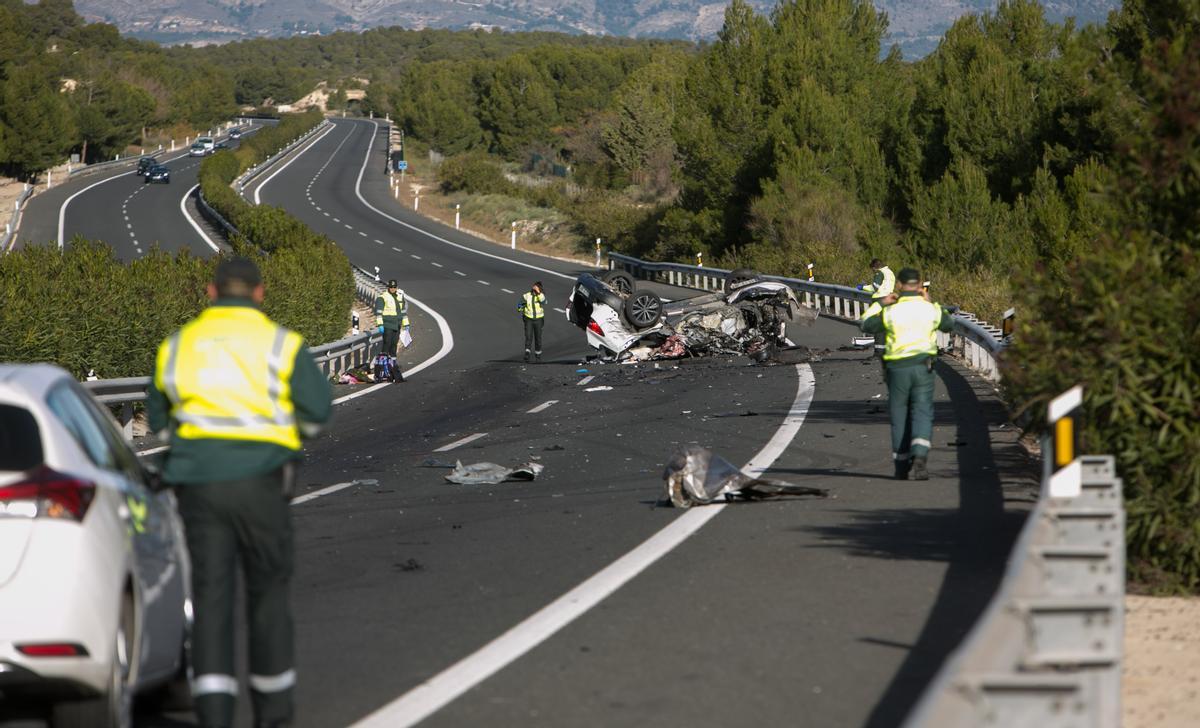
(623,321)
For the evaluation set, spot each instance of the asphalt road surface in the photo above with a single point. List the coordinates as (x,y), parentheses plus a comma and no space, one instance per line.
(417,598)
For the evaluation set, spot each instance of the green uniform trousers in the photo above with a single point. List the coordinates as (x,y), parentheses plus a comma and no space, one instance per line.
(910,402)
(227,521)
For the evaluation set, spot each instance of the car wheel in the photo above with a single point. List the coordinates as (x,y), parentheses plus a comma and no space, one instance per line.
(738,276)
(620,281)
(643,309)
(115,708)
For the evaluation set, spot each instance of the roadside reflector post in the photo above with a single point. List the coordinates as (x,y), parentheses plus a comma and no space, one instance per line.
(416,201)
(1060,446)
(1008,322)
(514,235)
(699,260)
(597,252)
(457,215)
(397,192)
(810,272)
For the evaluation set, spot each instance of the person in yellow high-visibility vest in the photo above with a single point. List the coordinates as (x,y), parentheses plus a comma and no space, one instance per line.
(391,318)
(533,312)
(882,284)
(910,322)
(234,393)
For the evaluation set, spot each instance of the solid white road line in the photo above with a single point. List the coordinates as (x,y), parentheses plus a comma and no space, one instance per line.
(438,691)
(195,225)
(542,406)
(258,190)
(414,228)
(62,211)
(461,442)
(585,380)
(323,491)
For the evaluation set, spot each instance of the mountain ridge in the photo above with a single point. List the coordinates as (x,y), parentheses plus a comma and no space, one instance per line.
(915,25)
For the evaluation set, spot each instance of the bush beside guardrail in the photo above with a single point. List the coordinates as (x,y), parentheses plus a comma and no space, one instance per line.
(309,277)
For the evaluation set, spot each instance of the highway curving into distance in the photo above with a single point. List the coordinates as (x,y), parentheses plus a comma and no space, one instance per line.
(578,599)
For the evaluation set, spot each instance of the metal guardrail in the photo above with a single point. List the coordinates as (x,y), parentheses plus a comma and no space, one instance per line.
(1047,652)
(975,342)
(14,220)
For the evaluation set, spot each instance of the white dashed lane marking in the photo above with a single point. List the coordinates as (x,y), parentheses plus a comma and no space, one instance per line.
(483,282)
(461,442)
(398,250)
(414,257)
(507,291)
(460,273)
(542,406)
(585,380)
(439,265)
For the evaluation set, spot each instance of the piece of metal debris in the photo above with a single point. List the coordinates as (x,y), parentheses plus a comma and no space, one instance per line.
(491,473)
(697,476)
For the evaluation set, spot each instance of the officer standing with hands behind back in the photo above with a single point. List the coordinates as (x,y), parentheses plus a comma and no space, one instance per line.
(533,312)
(910,322)
(236,392)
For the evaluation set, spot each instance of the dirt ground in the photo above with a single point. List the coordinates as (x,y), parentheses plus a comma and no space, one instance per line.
(1161,682)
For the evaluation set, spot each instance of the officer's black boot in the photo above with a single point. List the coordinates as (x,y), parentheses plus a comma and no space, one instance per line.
(918,470)
(527,355)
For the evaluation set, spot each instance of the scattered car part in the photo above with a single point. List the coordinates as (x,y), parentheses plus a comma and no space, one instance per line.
(491,473)
(697,476)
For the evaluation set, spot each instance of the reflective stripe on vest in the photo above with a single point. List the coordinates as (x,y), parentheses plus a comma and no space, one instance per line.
(911,324)
(534,304)
(887,285)
(228,375)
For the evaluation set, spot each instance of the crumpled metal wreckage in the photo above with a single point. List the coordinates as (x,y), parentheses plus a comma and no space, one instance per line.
(697,476)
(491,473)
(750,325)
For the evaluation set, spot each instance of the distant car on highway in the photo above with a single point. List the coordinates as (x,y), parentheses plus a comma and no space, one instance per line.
(207,142)
(198,150)
(94,575)
(145,163)
(235,133)
(159,173)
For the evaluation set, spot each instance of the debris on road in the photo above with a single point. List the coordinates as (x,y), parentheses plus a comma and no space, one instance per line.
(697,476)
(491,473)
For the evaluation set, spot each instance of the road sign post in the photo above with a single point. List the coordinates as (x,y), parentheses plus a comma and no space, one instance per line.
(1060,446)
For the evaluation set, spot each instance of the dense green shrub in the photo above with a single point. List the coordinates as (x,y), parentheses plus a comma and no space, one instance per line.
(474,173)
(308,278)
(104,315)
(1125,325)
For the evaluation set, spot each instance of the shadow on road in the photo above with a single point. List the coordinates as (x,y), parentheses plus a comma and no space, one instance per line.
(974,540)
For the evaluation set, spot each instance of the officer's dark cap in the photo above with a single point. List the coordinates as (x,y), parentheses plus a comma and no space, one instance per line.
(237,277)
(392,283)
(908,275)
